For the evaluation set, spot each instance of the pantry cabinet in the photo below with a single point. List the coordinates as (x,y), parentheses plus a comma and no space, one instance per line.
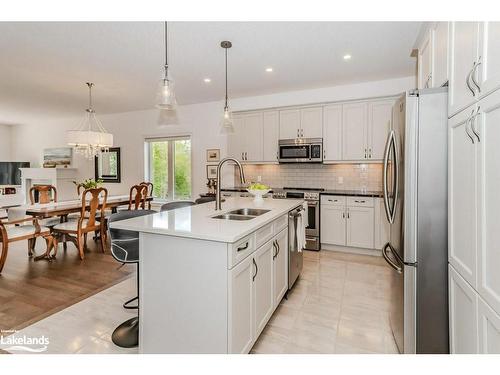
(489,57)
(488,329)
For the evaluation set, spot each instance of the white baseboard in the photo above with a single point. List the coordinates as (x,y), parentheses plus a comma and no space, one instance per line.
(352,250)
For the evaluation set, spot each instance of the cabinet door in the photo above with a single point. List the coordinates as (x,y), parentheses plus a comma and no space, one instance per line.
(236,140)
(360,227)
(263,286)
(382,226)
(463,53)
(380,119)
(440,71)
(253,124)
(280,271)
(489,55)
(333,225)
(425,61)
(462,197)
(332,133)
(241,307)
(290,124)
(463,315)
(487,125)
(354,131)
(271,135)
(488,329)
(311,122)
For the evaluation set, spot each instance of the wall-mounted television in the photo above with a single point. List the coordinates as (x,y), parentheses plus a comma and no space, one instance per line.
(10,174)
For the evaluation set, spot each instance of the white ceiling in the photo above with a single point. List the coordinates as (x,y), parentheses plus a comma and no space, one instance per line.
(44,65)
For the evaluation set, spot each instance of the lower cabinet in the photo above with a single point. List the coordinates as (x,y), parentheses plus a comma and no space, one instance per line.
(463,302)
(256,286)
(360,227)
(333,225)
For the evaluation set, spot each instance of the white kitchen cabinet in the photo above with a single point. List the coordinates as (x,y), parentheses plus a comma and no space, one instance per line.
(270,136)
(280,264)
(301,123)
(425,61)
(488,329)
(463,56)
(354,131)
(360,227)
(463,303)
(332,132)
(290,124)
(245,143)
(489,57)
(333,224)
(379,125)
(462,196)
(487,126)
(241,307)
(263,282)
(382,226)
(440,54)
(311,122)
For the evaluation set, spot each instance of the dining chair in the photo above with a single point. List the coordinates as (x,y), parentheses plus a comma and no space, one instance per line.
(173,205)
(149,192)
(12,230)
(137,197)
(75,231)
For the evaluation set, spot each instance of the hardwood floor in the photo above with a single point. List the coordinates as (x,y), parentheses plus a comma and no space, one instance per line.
(30,291)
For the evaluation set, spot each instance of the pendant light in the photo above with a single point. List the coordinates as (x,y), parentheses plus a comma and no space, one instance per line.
(227,117)
(90,138)
(165,98)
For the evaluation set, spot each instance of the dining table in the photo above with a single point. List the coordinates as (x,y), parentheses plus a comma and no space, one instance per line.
(64,208)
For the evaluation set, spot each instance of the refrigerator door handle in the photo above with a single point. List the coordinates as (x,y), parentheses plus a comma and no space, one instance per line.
(390,139)
(385,254)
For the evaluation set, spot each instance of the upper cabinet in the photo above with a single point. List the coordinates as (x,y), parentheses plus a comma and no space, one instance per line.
(301,123)
(271,129)
(440,54)
(425,61)
(354,131)
(332,132)
(489,58)
(246,141)
(379,125)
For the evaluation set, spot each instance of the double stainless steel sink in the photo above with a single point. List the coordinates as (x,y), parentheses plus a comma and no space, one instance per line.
(241,214)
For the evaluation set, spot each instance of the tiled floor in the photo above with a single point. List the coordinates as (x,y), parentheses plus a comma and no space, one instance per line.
(339,305)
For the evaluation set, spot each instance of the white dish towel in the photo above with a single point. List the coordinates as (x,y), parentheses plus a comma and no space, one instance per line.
(302,224)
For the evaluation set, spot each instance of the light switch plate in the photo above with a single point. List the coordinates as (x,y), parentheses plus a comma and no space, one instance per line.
(340,180)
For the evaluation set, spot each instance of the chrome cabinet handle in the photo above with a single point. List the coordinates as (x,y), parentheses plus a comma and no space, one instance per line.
(242,248)
(278,246)
(467,80)
(370,152)
(385,253)
(324,154)
(467,130)
(275,250)
(358,201)
(256,269)
(365,153)
(348,214)
(474,73)
(473,121)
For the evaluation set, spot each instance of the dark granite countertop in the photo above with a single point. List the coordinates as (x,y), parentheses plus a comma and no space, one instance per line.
(239,189)
(354,193)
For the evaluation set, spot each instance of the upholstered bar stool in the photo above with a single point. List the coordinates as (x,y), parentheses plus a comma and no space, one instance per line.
(125,249)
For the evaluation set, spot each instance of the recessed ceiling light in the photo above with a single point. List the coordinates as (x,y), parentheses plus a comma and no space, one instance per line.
(269,70)
(207,80)
(347,57)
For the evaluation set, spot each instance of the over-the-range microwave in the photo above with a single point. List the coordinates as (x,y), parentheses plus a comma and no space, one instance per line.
(301,150)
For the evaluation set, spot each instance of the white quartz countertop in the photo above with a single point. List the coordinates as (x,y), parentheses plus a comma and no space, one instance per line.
(197,222)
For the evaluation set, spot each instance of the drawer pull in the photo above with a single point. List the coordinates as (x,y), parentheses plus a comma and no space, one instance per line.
(242,247)
(357,201)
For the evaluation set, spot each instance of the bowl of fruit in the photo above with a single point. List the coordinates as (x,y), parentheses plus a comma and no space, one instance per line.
(258,190)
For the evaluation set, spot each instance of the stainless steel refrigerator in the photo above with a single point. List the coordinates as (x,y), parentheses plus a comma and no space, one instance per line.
(415,177)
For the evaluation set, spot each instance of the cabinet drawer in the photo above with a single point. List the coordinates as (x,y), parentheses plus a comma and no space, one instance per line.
(241,249)
(360,202)
(280,223)
(333,200)
(263,235)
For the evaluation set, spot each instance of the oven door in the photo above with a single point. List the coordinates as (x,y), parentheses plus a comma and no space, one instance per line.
(313,218)
(294,153)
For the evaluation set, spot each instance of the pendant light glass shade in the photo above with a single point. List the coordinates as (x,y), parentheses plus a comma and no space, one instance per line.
(226,124)
(165,97)
(89,138)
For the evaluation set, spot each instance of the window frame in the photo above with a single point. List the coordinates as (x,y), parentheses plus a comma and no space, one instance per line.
(170,162)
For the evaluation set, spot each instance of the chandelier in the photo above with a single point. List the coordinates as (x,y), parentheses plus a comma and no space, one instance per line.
(89,138)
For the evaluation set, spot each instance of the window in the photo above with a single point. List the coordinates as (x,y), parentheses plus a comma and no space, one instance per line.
(168,167)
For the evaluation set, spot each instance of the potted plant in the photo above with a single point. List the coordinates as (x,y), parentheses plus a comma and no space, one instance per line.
(89,183)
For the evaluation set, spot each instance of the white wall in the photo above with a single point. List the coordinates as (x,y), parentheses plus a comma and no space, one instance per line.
(5,140)
(201,121)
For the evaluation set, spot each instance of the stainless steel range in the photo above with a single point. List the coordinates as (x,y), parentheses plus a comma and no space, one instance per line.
(312,198)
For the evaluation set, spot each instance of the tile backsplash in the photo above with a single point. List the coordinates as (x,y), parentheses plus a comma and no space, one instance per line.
(326,176)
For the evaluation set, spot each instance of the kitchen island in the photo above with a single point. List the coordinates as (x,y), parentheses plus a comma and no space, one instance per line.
(210,285)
